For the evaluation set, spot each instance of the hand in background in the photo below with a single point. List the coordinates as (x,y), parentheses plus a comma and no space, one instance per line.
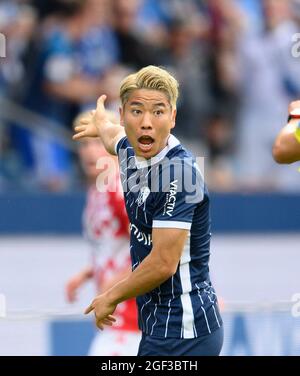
(75,283)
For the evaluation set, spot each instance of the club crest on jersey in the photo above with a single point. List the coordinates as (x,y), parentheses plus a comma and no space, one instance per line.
(143,195)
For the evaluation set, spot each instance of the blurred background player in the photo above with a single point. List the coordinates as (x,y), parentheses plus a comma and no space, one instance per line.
(106,228)
(286,148)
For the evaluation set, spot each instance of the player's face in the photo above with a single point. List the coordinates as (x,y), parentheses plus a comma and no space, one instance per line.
(90,150)
(148,119)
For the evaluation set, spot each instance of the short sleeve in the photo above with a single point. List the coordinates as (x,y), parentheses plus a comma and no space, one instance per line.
(121,144)
(181,189)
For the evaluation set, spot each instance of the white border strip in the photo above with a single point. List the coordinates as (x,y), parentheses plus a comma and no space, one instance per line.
(117,144)
(171,224)
(188,320)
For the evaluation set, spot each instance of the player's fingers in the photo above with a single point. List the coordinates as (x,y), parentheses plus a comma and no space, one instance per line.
(101,103)
(89,309)
(107,322)
(80,128)
(99,324)
(93,112)
(85,121)
(71,296)
(111,318)
(78,136)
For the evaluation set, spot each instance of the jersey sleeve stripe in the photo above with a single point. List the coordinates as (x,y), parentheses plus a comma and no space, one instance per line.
(172,224)
(118,144)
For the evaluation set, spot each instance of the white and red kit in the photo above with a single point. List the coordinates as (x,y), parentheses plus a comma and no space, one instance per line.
(106,227)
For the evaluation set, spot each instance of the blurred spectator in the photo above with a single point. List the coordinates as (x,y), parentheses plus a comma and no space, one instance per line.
(232,58)
(296,10)
(55,86)
(151,21)
(155,16)
(112,84)
(17,24)
(268,78)
(99,50)
(219,170)
(134,51)
(253,9)
(188,59)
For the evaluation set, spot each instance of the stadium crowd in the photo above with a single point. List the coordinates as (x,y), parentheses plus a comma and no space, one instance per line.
(233,59)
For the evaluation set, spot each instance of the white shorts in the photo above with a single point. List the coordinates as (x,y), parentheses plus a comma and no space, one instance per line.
(115,343)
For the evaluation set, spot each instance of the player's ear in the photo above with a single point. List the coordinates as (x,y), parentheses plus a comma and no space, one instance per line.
(174,113)
(121,111)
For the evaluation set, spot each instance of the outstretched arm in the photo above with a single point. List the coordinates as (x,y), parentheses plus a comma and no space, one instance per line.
(99,125)
(286,148)
(76,282)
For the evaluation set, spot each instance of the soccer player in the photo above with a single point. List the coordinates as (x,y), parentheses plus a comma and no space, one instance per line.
(168,207)
(106,229)
(286,149)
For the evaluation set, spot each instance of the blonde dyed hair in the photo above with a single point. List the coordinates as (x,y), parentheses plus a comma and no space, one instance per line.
(151,78)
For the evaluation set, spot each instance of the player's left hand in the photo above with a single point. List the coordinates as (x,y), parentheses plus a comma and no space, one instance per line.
(103,310)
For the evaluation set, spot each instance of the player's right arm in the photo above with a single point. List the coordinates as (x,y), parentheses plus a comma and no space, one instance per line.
(286,148)
(76,282)
(99,125)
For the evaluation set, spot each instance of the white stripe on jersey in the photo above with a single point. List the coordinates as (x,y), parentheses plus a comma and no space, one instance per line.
(185,277)
(172,224)
(154,321)
(200,297)
(208,327)
(195,330)
(159,302)
(117,143)
(147,321)
(169,305)
(216,316)
(144,307)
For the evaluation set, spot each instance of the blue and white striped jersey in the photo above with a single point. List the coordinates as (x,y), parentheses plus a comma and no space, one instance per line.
(168,191)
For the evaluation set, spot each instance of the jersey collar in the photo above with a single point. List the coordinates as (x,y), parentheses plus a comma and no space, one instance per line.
(143,163)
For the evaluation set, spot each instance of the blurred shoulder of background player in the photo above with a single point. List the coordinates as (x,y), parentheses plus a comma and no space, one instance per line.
(286,149)
(106,227)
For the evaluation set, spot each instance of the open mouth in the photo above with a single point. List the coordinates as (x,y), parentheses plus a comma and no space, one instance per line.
(146,143)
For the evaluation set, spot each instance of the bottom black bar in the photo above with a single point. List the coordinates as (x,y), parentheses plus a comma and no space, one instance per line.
(140,365)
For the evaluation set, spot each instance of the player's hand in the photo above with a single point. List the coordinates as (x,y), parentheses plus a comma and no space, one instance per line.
(103,310)
(71,288)
(294,108)
(89,125)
